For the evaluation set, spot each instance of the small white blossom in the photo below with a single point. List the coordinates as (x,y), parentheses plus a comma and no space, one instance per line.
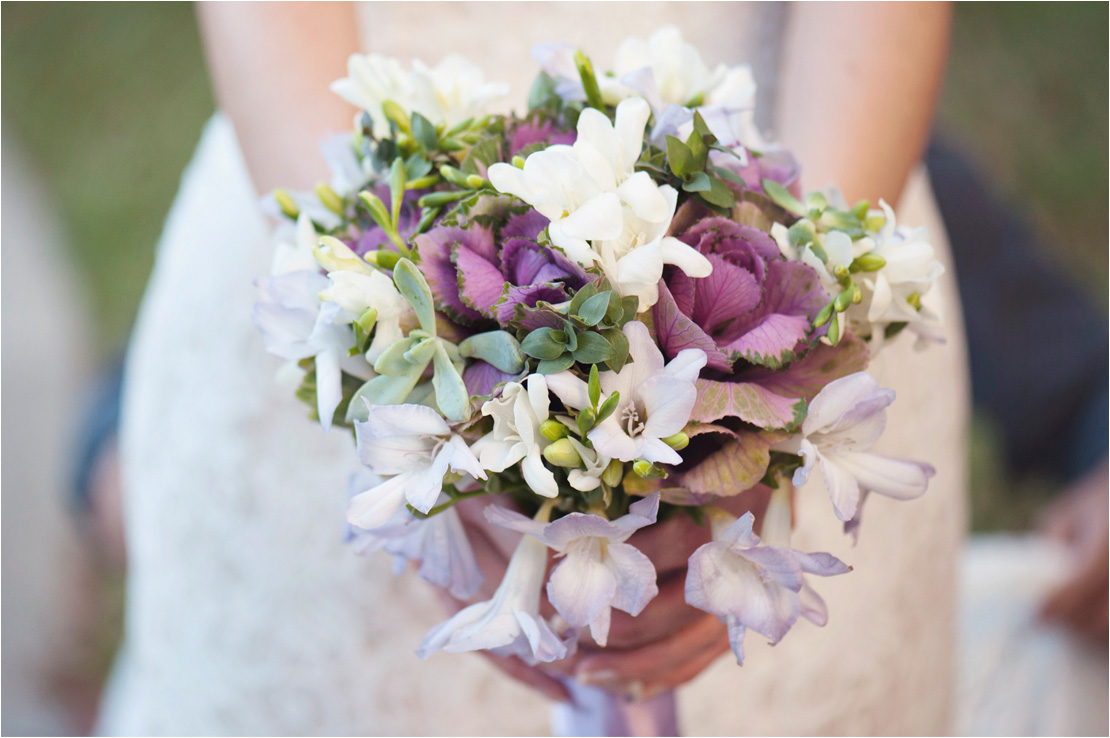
(844,420)
(414,447)
(599,570)
(517,415)
(449,93)
(655,400)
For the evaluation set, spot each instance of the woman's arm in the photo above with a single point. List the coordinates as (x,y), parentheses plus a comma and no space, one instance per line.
(860,83)
(271,64)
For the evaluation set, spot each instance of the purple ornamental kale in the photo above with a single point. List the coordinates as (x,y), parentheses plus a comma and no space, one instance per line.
(475,279)
(529,132)
(755,308)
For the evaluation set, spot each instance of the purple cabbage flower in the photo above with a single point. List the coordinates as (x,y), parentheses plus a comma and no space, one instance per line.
(476,278)
(755,307)
(530,132)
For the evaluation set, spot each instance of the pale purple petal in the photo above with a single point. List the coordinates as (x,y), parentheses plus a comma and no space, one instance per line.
(435,253)
(635,576)
(580,588)
(677,332)
(842,486)
(749,402)
(902,479)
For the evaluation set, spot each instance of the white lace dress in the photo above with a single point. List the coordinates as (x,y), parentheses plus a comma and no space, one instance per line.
(246,614)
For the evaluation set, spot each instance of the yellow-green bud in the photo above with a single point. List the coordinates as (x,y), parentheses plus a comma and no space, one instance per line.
(286,203)
(553,430)
(562,453)
(367,320)
(857,294)
(874,223)
(868,263)
(397,114)
(518,162)
(334,256)
(648,470)
(678,441)
(843,300)
(422,182)
(383,259)
(331,199)
(613,473)
(914,299)
(475,182)
(834,330)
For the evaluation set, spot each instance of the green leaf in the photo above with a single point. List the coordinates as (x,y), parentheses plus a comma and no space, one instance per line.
(554,366)
(619,344)
(580,297)
(392,361)
(387,390)
(494,347)
(594,386)
(594,309)
(485,153)
(718,194)
(417,166)
(451,393)
(356,409)
(781,197)
(700,182)
(592,349)
(702,129)
(542,92)
(424,131)
(698,149)
(680,157)
(411,283)
(729,175)
(631,305)
(539,344)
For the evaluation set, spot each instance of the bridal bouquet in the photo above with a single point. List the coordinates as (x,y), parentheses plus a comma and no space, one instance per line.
(614,308)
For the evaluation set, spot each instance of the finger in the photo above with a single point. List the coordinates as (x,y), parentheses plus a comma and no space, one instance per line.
(532,676)
(694,647)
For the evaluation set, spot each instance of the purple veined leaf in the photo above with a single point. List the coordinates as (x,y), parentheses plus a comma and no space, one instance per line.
(806,376)
(480,283)
(434,250)
(728,292)
(770,334)
(527,225)
(482,379)
(737,466)
(524,262)
(530,132)
(542,315)
(750,402)
(530,296)
(675,331)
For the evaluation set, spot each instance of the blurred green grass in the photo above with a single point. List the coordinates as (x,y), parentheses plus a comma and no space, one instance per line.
(109,99)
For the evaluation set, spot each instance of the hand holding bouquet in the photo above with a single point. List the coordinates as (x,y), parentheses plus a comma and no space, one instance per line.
(610,311)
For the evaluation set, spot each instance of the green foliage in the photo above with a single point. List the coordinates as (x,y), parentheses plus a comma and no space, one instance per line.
(588,332)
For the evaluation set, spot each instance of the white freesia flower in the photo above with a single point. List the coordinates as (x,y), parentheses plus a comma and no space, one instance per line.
(844,420)
(415,448)
(655,400)
(560,187)
(439,543)
(749,585)
(517,415)
(633,262)
(355,291)
(911,269)
(296,325)
(588,477)
(449,93)
(599,570)
(591,193)
(510,624)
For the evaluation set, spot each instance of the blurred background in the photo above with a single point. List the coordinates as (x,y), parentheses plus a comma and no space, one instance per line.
(102,106)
